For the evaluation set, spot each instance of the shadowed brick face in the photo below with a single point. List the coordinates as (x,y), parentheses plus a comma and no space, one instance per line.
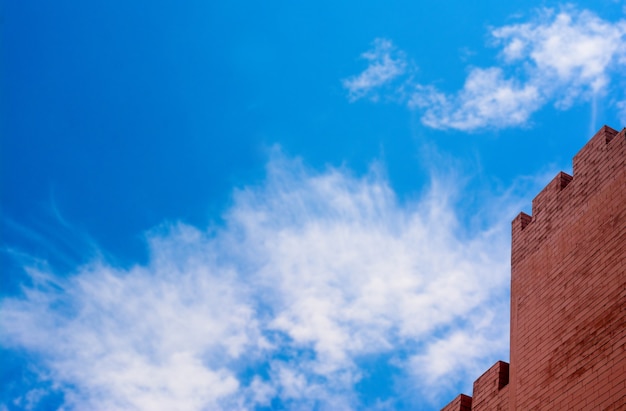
(568,292)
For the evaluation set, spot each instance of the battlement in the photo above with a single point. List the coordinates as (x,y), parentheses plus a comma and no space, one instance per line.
(568,293)
(596,164)
(462,402)
(590,160)
(491,388)
(490,391)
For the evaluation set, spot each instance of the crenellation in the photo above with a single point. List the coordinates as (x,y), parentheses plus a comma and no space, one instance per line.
(521,221)
(594,165)
(488,388)
(568,292)
(549,200)
(462,402)
(594,159)
(588,155)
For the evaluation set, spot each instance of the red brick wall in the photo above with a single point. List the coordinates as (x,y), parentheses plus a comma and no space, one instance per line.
(568,292)
(568,287)
(491,390)
(461,403)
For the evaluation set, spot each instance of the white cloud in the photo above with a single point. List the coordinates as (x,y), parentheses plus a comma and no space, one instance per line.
(570,52)
(310,273)
(385,64)
(138,339)
(559,58)
(486,100)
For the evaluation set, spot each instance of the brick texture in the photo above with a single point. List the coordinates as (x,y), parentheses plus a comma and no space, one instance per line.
(491,391)
(568,292)
(461,403)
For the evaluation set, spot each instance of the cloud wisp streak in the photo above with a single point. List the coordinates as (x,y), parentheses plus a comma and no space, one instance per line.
(386,63)
(558,58)
(312,275)
(487,99)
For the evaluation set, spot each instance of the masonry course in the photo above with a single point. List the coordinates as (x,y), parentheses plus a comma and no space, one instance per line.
(568,293)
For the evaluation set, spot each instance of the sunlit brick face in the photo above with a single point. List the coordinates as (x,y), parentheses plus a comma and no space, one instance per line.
(568,293)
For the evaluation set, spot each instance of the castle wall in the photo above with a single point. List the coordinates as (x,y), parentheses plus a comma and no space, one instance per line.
(462,402)
(491,390)
(568,286)
(568,291)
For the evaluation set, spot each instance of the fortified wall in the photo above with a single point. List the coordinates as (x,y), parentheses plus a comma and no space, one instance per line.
(568,293)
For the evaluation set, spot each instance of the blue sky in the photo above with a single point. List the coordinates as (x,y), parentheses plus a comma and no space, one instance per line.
(278,205)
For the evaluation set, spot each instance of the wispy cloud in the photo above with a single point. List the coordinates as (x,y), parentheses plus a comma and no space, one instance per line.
(311,273)
(622,111)
(385,64)
(558,58)
(572,53)
(487,99)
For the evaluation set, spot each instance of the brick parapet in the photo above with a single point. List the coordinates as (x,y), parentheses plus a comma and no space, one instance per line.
(568,268)
(590,161)
(462,402)
(594,166)
(568,291)
(491,389)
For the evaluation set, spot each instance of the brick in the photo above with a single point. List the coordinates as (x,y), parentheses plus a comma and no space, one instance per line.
(568,293)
